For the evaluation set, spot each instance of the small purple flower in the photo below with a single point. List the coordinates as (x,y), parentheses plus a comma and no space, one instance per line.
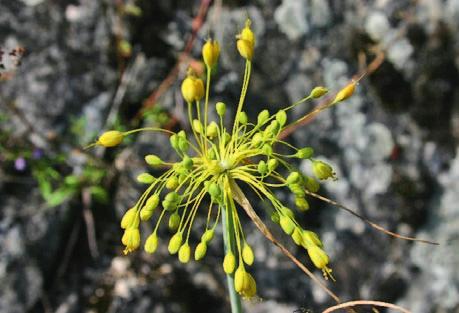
(37,154)
(20,164)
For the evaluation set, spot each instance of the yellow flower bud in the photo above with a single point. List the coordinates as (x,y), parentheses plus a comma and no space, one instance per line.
(301,203)
(297,236)
(318,257)
(250,289)
(311,239)
(153,160)
(146,213)
(197,126)
(145,178)
(174,243)
(110,139)
(131,239)
(245,49)
(208,235)
(200,252)
(318,92)
(322,170)
(220,108)
(239,279)
(246,41)
(345,93)
(151,244)
(174,221)
(229,263)
(129,218)
(210,52)
(247,254)
(172,183)
(192,88)
(287,224)
(184,253)
(212,130)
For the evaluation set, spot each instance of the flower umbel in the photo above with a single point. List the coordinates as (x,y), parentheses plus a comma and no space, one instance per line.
(214,163)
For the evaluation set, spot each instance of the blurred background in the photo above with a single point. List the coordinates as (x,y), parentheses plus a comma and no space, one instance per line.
(73,68)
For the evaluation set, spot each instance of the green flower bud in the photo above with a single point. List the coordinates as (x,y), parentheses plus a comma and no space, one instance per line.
(212,130)
(184,253)
(145,178)
(247,254)
(287,212)
(287,224)
(174,141)
(243,118)
(229,263)
(174,243)
(293,178)
(257,139)
(262,167)
(151,244)
(281,117)
(262,117)
(311,184)
(304,153)
(208,235)
(211,155)
(275,217)
(297,190)
(301,203)
(215,192)
(187,162)
(197,126)
(172,197)
(220,108)
(226,137)
(297,236)
(322,170)
(267,149)
(153,160)
(272,129)
(200,252)
(181,134)
(174,221)
(318,92)
(272,164)
(183,144)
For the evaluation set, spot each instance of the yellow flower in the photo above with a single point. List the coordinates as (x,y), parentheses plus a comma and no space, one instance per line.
(345,93)
(210,52)
(131,239)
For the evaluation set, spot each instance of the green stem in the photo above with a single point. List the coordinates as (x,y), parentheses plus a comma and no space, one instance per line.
(228,231)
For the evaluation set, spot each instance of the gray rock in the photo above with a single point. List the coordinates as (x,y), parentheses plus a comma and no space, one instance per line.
(291,18)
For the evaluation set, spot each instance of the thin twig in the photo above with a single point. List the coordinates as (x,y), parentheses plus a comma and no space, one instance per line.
(364,302)
(197,23)
(89,222)
(373,66)
(374,225)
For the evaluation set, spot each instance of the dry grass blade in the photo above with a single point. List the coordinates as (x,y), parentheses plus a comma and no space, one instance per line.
(374,225)
(350,304)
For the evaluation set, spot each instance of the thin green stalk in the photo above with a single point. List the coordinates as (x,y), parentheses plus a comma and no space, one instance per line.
(235,299)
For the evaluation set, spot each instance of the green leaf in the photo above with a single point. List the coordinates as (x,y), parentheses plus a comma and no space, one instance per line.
(99,193)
